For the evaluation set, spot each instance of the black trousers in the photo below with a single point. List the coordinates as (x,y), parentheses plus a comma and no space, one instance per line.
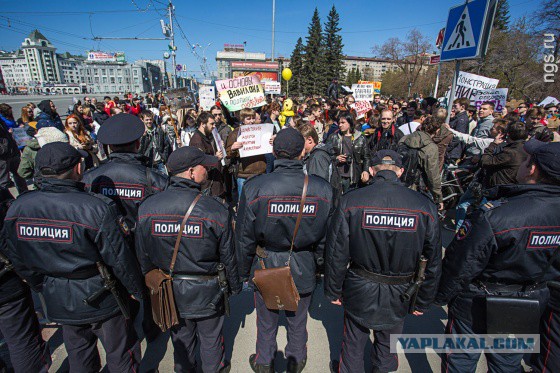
(22,333)
(184,337)
(267,329)
(548,360)
(354,342)
(119,341)
(11,166)
(466,362)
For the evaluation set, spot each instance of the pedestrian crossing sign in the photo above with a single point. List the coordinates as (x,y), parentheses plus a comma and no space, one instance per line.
(468,30)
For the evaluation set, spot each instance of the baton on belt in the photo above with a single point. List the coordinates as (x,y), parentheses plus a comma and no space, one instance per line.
(412,291)
(109,284)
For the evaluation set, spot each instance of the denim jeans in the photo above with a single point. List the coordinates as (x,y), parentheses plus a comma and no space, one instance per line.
(466,200)
(240,182)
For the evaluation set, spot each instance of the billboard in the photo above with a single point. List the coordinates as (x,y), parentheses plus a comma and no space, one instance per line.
(254,65)
(264,76)
(99,56)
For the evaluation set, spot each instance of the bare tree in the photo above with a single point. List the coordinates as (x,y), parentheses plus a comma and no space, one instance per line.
(409,54)
(547,20)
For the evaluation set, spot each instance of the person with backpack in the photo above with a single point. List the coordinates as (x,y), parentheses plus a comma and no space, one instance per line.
(387,136)
(421,160)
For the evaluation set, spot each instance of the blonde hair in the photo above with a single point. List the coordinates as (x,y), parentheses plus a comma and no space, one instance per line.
(246,113)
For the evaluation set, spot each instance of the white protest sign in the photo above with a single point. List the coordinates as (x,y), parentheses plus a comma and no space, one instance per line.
(255,139)
(549,100)
(361,107)
(207,97)
(362,92)
(469,84)
(21,137)
(272,88)
(498,96)
(242,92)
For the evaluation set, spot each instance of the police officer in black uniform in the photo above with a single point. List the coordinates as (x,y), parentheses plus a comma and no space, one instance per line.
(60,238)
(124,177)
(377,236)
(506,247)
(207,242)
(18,321)
(127,180)
(268,209)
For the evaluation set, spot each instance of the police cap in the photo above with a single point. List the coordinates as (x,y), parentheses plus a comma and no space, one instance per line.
(121,129)
(57,157)
(288,143)
(188,156)
(386,156)
(546,155)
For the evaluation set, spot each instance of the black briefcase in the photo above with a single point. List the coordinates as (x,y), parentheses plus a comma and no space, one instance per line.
(509,315)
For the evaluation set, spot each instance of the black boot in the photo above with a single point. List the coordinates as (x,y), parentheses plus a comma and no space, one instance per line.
(260,368)
(294,366)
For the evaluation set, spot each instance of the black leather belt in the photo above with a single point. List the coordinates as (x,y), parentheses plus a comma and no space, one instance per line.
(81,274)
(495,287)
(180,276)
(381,279)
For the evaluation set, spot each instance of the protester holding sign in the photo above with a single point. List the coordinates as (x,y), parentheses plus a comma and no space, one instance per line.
(245,166)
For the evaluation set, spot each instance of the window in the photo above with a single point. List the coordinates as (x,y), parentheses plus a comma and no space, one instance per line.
(135,72)
(113,80)
(96,79)
(104,79)
(103,72)
(119,79)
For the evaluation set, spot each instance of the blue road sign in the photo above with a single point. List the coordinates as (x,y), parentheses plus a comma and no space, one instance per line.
(466,33)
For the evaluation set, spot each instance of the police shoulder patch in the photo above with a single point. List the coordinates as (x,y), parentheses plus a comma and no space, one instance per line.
(490,205)
(125,229)
(464,230)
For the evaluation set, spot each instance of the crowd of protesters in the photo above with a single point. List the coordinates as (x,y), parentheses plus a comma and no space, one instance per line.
(484,141)
(433,142)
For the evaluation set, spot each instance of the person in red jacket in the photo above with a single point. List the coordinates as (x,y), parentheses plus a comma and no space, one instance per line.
(109,104)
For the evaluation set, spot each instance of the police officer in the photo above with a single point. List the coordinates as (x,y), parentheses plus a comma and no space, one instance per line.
(127,180)
(124,177)
(377,236)
(18,321)
(506,247)
(59,237)
(206,242)
(268,209)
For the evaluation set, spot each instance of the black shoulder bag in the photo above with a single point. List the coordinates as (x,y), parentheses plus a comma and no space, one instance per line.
(515,315)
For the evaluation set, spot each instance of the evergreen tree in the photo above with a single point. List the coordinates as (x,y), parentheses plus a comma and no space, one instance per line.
(501,19)
(296,65)
(350,77)
(358,75)
(334,67)
(314,64)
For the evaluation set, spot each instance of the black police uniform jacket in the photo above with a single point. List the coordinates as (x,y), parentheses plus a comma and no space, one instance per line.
(206,241)
(268,210)
(383,228)
(125,179)
(509,242)
(60,231)
(11,286)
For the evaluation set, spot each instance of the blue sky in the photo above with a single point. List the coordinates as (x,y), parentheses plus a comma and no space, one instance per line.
(70,25)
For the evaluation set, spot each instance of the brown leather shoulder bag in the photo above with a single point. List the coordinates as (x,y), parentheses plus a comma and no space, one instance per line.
(160,284)
(276,285)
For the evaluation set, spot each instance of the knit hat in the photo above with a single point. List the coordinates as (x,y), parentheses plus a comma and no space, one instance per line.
(46,135)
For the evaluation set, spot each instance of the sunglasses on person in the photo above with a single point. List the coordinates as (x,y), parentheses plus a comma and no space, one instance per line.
(522,107)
